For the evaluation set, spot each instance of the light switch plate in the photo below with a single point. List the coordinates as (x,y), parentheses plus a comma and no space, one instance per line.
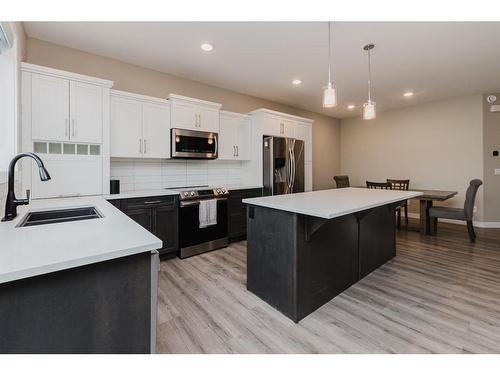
(495,108)
(497,171)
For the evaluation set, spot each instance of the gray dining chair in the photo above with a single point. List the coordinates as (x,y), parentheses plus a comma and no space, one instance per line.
(464,214)
(342,181)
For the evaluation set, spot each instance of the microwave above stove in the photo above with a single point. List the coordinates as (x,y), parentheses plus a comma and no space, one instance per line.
(193,144)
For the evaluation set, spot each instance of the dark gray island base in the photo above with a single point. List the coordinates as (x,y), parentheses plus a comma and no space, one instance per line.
(297,263)
(106,307)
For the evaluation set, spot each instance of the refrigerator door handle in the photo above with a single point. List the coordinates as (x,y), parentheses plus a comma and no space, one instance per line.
(293,169)
(290,168)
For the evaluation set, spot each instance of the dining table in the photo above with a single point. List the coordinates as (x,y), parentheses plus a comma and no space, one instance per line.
(426,201)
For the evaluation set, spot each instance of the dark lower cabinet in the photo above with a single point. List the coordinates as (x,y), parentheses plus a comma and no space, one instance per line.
(159,215)
(237,222)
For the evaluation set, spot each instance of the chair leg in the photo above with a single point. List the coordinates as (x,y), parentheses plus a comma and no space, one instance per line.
(398,213)
(433,225)
(470,229)
(406,215)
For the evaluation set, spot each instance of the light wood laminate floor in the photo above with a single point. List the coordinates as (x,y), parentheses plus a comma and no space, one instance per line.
(439,295)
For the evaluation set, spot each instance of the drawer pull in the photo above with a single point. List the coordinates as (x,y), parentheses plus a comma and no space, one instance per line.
(152,202)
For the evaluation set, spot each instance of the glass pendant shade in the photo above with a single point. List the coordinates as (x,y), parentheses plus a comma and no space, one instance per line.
(329,96)
(369,111)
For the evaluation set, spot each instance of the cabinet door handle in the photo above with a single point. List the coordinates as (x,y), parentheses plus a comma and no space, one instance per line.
(145,148)
(73,123)
(66,127)
(199,120)
(140,146)
(237,150)
(234,150)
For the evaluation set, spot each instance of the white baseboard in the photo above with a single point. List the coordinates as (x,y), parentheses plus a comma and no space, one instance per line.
(479,224)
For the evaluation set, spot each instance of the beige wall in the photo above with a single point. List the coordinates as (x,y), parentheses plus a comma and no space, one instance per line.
(127,77)
(437,146)
(491,136)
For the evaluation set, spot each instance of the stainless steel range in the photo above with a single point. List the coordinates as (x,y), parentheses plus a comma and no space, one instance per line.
(194,238)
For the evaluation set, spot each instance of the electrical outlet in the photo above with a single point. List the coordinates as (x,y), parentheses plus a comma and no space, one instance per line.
(497,171)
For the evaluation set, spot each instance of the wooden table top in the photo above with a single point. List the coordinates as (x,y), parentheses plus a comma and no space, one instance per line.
(431,195)
(435,195)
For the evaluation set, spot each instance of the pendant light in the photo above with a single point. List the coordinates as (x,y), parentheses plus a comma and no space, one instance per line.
(369,111)
(329,91)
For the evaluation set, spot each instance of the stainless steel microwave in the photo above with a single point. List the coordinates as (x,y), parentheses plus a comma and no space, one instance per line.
(193,144)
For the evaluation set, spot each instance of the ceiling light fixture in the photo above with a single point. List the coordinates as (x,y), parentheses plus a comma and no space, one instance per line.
(369,108)
(351,106)
(207,47)
(296,82)
(408,94)
(329,91)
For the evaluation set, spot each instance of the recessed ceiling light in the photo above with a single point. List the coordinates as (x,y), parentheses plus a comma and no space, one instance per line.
(408,94)
(207,47)
(296,82)
(351,106)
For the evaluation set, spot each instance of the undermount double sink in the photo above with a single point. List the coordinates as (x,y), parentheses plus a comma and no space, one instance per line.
(59,216)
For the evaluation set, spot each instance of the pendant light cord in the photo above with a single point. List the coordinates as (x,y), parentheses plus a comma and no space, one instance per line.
(369,77)
(329,55)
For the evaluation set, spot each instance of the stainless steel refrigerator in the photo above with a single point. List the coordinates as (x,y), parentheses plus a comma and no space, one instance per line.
(283,162)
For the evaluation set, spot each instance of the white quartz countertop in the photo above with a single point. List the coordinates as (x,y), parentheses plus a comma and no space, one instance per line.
(162,192)
(332,203)
(37,250)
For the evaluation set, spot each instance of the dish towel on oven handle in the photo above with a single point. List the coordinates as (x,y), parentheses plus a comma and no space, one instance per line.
(207,213)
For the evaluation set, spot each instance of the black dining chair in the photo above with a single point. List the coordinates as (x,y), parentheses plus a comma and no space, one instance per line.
(400,185)
(464,214)
(378,185)
(342,181)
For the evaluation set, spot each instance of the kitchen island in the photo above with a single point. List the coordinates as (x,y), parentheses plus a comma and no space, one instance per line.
(306,248)
(87,286)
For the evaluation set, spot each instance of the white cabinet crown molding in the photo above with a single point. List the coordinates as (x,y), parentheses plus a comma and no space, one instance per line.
(32,68)
(174,97)
(242,116)
(262,111)
(146,98)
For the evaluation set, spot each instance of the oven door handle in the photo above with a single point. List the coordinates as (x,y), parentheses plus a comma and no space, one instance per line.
(197,202)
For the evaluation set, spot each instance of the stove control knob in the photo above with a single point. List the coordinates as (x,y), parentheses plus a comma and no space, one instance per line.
(185,194)
(218,191)
(192,193)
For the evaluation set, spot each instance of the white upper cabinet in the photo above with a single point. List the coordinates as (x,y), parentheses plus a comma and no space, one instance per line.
(156,130)
(208,119)
(65,119)
(278,126)
(125,127)
(234,136)
(49,108)
(194,114)
(66,110)
(140,126)
(85,112)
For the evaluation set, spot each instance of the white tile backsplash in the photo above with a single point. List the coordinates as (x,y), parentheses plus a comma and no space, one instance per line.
(136,174)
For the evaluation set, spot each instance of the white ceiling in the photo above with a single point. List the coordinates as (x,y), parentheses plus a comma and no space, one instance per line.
(435,60)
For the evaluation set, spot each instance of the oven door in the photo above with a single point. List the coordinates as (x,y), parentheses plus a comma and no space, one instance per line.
(195,240)
(193,144)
